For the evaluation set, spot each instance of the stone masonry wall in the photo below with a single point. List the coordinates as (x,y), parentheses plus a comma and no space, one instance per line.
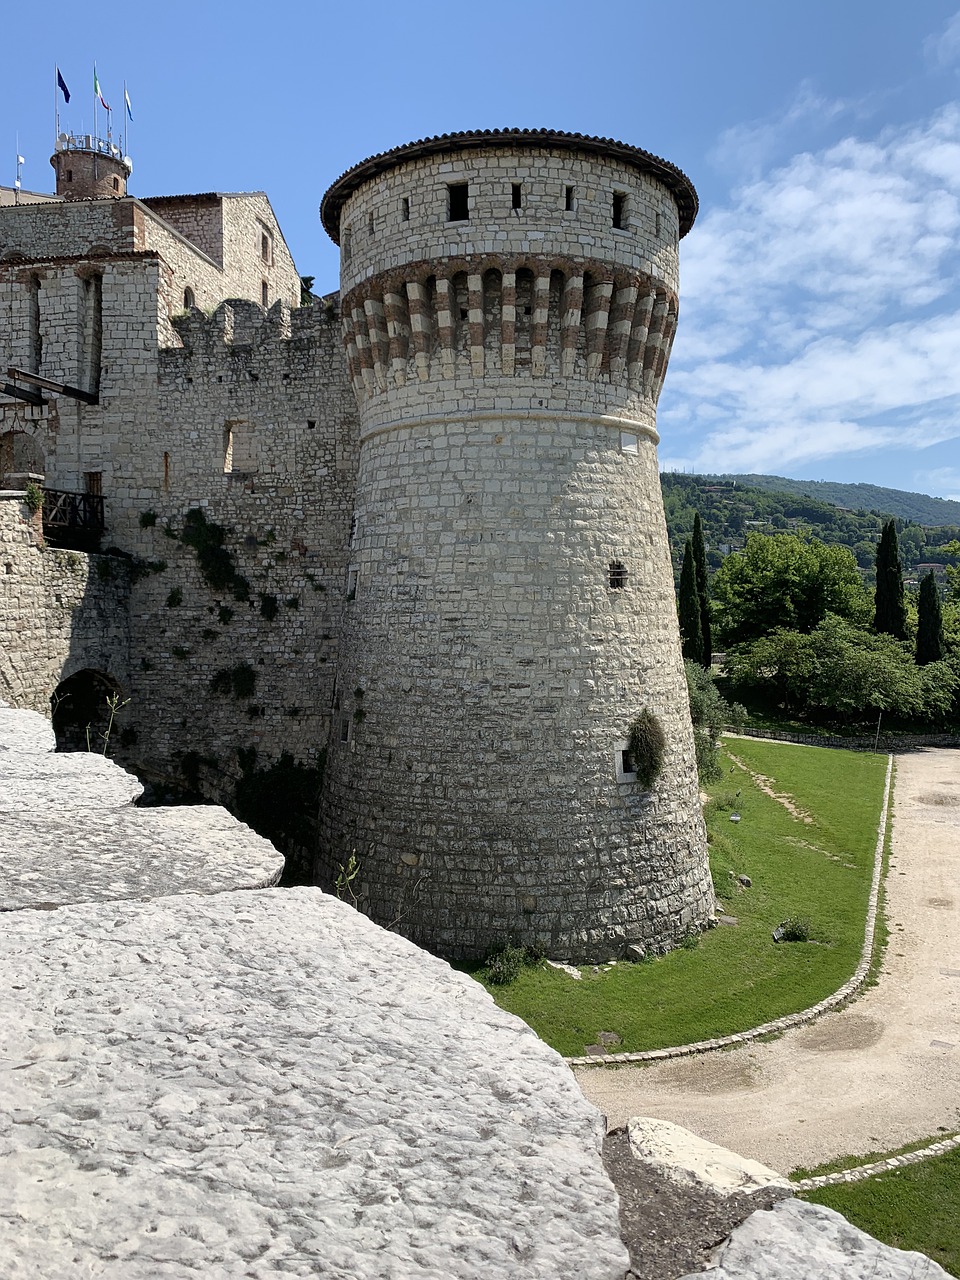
(60,611)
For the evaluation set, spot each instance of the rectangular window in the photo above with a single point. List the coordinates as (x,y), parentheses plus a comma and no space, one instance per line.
(629,443)
(568,200)
(517,196)
(370,225)
(458,209)
(353,582)
(347,244)
(264,294)
(405,209)
(344,729)
(266,248)
(619,210)
(93,482)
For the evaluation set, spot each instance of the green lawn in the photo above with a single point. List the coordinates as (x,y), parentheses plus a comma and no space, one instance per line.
(917,1207)
(737,977)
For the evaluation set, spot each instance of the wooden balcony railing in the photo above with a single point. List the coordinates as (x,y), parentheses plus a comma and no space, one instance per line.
(73,520)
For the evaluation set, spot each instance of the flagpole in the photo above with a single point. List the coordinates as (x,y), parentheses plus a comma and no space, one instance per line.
(56,107)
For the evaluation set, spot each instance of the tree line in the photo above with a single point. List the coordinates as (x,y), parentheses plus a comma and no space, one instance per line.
(804,638)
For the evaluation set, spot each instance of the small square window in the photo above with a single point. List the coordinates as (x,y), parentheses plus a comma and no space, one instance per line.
(629,443)
(458,202)
(617,575)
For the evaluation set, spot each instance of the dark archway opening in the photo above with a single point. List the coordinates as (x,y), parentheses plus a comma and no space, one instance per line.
(83,709)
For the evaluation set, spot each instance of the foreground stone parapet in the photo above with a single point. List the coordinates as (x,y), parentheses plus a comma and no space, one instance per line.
(686,1158)
(795,1239)
(267,1084)
(69,831)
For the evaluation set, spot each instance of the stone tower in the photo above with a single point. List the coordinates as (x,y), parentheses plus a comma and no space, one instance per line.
(90,168)
(509,301)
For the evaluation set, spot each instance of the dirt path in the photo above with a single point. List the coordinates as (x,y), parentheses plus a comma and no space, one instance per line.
(883,1072)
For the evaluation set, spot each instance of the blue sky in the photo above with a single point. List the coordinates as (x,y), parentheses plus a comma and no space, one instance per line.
(820,306)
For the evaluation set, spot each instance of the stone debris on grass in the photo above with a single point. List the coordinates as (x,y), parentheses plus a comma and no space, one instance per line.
(267,1084)
(684,1157)
(795,1239)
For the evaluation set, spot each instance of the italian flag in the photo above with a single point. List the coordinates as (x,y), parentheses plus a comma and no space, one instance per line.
(98,91)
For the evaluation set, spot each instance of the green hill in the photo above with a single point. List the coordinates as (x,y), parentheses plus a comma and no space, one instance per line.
(730,509)
(919,508)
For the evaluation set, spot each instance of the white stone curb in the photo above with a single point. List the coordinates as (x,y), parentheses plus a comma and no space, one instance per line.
(879,1166)
(848,989)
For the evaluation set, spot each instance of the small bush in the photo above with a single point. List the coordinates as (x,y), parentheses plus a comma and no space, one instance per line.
(504,966)
(647,745)
(33,497)
(796,929)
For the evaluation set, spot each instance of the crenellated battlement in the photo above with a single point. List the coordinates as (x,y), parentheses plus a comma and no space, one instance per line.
(494,316)
(239,322)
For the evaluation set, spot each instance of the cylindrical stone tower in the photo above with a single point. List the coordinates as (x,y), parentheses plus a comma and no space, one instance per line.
(509,301)
(90,168)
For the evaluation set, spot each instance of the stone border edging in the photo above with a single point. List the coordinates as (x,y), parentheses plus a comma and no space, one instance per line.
(843,993)
(863,1171)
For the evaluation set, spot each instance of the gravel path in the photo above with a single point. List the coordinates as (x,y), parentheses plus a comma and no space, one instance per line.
(884,1071)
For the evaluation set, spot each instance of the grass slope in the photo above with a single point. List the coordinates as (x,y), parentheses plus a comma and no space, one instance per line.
(737,977)
(916,1207)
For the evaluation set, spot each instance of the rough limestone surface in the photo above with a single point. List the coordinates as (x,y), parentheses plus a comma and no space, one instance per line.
(796,1239)
(263,1084)
(685,1158)
(69,831)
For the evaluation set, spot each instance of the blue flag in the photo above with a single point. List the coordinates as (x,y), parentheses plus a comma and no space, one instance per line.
(62,86)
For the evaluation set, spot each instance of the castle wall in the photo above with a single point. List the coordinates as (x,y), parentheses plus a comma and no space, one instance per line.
(198,219)
(62,229)
(61,612)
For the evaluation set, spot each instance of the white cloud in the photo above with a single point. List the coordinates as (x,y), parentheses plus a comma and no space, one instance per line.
(944,49)
(821,312)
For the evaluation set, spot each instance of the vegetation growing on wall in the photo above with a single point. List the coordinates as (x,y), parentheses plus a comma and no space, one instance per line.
(215,562)
(647,744)
(238,682)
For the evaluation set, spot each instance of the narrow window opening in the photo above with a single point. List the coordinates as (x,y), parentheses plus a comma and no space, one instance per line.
(93,483)
(464,313)
(347,245)
(344,729)
(657,224)
(116,184)
(517,196)
(227,449)
(618,575)
(405,209)
(265,253)
(311,424)
(189,300)
(69,175)
(458,209)
(353,528)
(34,336)
(619,209)
(626,762)
(264,294)
(568,199)
(166,471)
(353,582)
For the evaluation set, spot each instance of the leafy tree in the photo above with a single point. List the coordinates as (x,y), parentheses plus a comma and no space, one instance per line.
(710,713)
(306,290)
(700,564)
(841,672)
(890,614)
(929,622)
(782,581)
(691,635)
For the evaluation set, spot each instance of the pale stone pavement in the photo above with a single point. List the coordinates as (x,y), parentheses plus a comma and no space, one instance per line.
(884,1071)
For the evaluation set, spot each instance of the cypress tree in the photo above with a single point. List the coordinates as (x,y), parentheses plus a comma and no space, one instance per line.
(691,636)
(700,564)
(929,622)
(891,612)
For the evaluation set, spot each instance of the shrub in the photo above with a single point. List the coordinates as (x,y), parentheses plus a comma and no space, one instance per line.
(504,966)
(33,497)
(647,745)
(796,929)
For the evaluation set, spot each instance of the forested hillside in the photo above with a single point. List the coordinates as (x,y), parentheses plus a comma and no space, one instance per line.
(730,509)
(919,508)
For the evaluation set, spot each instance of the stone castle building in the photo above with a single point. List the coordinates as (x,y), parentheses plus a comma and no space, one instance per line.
(410,534)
